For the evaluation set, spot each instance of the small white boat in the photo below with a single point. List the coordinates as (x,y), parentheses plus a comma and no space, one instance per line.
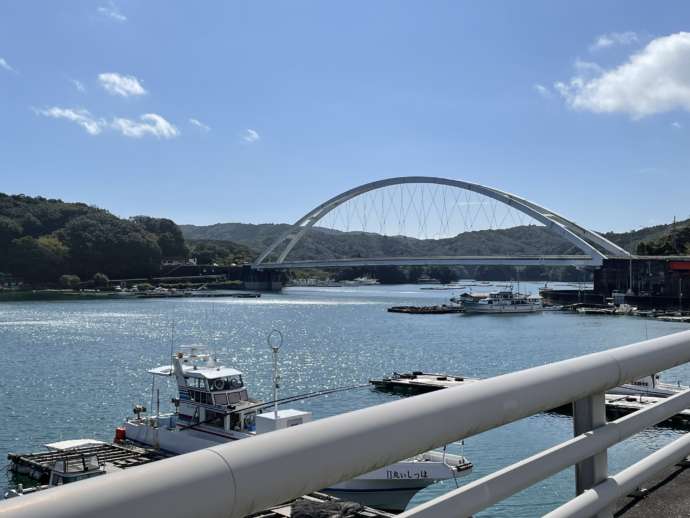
(214,408)
(361,281)
(650,386)
(504,302)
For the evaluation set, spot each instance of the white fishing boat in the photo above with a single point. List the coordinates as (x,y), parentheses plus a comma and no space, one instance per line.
(504,302)
(361,281)
(214,408)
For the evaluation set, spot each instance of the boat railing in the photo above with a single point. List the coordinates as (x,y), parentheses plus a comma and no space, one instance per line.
(243,477)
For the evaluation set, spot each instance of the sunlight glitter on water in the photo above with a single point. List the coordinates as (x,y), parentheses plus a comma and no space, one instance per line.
(77,367)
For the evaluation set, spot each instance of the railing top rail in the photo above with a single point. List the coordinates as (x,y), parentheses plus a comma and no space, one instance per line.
(245,476)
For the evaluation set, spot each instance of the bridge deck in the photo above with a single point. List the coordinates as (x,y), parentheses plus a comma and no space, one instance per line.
(501,260)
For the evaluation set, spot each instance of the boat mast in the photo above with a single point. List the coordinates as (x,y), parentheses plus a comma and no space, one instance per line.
(275,341)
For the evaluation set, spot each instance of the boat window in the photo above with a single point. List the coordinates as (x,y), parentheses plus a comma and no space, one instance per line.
(200,397)
(197,383)
(226,383)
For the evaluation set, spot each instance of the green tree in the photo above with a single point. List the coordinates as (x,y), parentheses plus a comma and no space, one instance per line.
(9,230)
(168,235)
(40,259)
(100,280)
(103,243)
(70,281)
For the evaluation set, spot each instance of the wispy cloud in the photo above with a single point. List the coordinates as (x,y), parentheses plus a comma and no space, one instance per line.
(148,124)
(112,11)
(587,68)
(654,80)
(200,125)
(80,116)
(118,84)
(250,136)
(78,85)
(4,64)
(543,90)
(614,38)
(676,125)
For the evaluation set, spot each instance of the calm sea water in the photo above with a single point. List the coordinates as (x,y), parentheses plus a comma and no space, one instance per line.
(74,369)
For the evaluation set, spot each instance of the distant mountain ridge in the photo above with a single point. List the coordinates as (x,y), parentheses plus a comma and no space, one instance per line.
(323,243)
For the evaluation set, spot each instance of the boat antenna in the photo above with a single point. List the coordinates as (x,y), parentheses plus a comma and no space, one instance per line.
(275,342)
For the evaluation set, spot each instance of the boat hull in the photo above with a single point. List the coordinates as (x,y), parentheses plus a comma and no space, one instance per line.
(383,494)
(499,309)
(390,488)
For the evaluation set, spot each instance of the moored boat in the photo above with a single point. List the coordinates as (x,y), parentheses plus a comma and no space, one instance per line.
(504,302)
(214,408)
(650,386)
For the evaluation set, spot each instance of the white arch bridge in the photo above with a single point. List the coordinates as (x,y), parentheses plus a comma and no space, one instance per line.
(397,200)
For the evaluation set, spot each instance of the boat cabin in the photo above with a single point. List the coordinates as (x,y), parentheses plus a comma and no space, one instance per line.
(504,297)
(74,468)
(210,394)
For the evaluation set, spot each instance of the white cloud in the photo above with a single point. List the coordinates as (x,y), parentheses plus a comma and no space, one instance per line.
(199,124)
(250,136)
(148,124)
(614,38)
(78,85)
(92,125)
(654,80)
(676,125)
(542,90)
(118,84)
(4,64)
(111,11)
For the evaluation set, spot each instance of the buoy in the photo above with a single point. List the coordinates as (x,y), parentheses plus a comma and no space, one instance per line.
(120,434)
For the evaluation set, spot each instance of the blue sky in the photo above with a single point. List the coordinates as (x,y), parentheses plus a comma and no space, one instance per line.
(582,107)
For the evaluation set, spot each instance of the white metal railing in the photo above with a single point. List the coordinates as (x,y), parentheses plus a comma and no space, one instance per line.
(242,477)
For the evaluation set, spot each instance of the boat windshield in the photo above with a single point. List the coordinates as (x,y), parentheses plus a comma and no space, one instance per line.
(226,383)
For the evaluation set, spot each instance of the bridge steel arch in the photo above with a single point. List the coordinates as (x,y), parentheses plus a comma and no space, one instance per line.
(593,245)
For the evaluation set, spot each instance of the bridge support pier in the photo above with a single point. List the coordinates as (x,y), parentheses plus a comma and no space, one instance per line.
(588,414)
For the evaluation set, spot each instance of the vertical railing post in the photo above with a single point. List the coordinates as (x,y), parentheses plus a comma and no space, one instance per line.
(588,414)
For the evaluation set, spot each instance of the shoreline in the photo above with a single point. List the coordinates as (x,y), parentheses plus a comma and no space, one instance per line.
(47,295)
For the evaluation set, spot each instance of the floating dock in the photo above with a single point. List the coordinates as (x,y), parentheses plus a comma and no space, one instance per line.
(426,310)
(418,382)
(619,405)
(38,466)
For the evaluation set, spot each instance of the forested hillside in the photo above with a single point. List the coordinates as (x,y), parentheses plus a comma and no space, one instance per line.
(521,240)
(42,239)
(323,243)
(632,240)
